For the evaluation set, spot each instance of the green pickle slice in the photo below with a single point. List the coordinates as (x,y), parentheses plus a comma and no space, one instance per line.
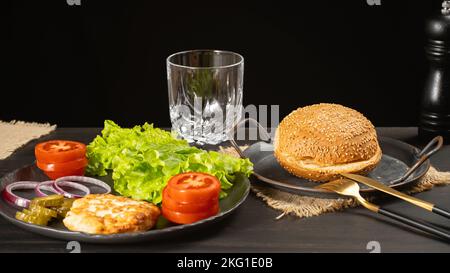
(26,216)
(43,209)
(40,210)
(48,201)
(65,207)
(68,202)
(62,211)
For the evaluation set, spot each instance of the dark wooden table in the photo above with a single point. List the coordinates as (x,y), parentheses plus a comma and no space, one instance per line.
(253,228)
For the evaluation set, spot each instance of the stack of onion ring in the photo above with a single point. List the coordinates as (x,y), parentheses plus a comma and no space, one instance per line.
(53,186)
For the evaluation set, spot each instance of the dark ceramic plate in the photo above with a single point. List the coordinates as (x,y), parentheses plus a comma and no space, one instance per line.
(397,158)
(163,228)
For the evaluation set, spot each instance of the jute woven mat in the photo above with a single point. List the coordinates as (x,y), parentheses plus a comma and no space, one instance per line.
(14,134)
(305,206)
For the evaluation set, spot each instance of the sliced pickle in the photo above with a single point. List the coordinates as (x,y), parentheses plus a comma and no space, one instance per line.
(68,202)
(35,214)
(40,210)
(54,200)
(32,219)
(64,208)
(27,212)
(62,211)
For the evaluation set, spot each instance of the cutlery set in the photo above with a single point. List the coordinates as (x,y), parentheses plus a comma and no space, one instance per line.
(348,186)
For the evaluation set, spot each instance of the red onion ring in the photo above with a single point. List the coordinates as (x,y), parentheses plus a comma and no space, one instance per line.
(82,179)
(46,186)
(49,186)
(52,186)
(10,197)
(58,183)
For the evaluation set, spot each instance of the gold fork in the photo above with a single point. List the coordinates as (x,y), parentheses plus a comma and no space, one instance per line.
(351,188)
(348,188)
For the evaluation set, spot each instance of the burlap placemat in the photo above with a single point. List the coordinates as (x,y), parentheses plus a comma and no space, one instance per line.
(305,206)
(14,134)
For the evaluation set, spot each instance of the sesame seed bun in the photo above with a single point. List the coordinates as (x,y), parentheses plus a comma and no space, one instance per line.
(320,141)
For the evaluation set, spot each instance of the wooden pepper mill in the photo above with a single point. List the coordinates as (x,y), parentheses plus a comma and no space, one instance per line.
(435,107)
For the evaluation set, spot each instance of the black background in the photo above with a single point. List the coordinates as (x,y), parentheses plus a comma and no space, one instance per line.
(79,65)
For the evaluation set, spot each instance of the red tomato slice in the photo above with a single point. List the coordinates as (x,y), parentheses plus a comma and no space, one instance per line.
(63,167)
(56,175)
(59,151)
(188,218)
(193,187)
(171,204)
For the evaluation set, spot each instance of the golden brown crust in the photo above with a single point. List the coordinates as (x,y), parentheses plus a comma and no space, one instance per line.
(109,214)
(319,141)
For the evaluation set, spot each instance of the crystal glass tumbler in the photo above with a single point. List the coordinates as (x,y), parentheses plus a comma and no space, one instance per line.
(205,94)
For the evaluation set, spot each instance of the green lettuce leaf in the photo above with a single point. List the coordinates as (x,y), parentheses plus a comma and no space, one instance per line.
(143,158)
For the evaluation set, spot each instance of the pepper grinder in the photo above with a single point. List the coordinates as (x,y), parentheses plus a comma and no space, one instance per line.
(435,106)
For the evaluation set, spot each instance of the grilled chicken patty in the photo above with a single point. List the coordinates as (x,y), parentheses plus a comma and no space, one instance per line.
(109,214)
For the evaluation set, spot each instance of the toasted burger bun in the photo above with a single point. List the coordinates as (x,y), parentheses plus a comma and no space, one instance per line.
(320,141)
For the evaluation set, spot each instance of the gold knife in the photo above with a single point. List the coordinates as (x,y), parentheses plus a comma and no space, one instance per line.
(381,187)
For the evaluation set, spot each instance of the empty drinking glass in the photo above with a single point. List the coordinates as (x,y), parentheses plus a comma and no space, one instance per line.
(205,94)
